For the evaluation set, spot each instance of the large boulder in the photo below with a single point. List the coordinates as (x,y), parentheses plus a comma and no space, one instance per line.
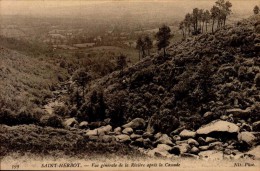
(71,122)
(218,126)
(247,137)
(137,123)
(187,134)
(118,130)
(160,150)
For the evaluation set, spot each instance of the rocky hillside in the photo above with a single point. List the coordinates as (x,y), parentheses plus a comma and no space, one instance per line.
(204,78)
(201,100)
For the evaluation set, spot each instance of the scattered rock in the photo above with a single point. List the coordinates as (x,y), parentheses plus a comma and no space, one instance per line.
(123,138)
(256,126)
(218,126)
(127,131)
(164,139)
(135,136)
(83,125)
(210,140)
(108,138)
(157,136)
(193,142)
(147,135)
(180,149)
(201,141)
(187,134)
(216,145)
(70,122)
(92,132)
(137,123)
(118,130)
(176,138)
(194,150)
(247,137)
(203,148)
(104,130)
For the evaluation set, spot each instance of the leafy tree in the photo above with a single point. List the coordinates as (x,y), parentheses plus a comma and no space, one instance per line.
(207,18)
(181,27)
(188,22)
(148,44)
(195,17)
(81,78)
(140,46)
(121,62)
(224,11)
(214,15)
(163,36)
(256,10)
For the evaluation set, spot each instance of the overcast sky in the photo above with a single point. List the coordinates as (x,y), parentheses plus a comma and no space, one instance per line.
(120,7)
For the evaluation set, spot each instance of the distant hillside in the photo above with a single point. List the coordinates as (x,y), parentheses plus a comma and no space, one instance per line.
(26,82)
(209,73)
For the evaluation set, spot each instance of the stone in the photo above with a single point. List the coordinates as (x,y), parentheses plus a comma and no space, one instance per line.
(135,136)
(180,149)
(187,134)
(92,132)
(193,142)
(203,148)
(256,126)
(176,138)
(147,143)
(70,122)
(157,136)
(118,130)
(177,131)
(160,151)
(138,142)
(127,131)
(147,135)
(247,137)
(210,140)
(83,124)
(164,139)
(123,138)
(211,155)
(216,145)
(237,112)
(218,126)
(201,141)
(94,138)
(108,138)
(194,150)
(164,147)
(245,127)
(137,123)
(208,115)
(181,142)
(104,130)
(188,155)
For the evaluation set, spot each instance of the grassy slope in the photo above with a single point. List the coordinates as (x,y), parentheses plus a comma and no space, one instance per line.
(25,80)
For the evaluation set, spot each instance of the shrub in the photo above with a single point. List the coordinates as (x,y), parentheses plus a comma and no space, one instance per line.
(7,117)
(52,121)
(61,110)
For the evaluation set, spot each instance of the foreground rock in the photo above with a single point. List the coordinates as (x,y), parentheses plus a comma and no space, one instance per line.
(137,123)
(218,126)
(247,137)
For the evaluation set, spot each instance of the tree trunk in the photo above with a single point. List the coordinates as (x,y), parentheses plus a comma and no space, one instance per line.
(213,22)
(164,52)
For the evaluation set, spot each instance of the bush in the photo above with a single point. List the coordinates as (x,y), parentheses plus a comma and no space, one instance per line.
(7,117)
(52,121)
(61,110)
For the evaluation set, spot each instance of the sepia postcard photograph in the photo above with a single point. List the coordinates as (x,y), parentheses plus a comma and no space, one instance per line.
(130,85)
